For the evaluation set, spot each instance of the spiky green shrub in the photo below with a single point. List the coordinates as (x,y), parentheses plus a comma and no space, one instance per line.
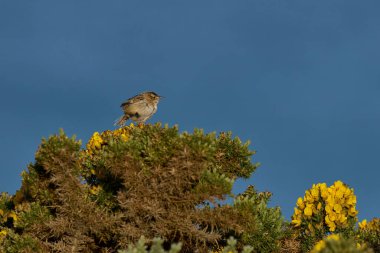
(266,228)
(338,244)
(136,181)
(369,233)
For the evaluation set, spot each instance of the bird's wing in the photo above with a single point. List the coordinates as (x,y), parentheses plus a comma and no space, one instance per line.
(133,107)
(135,99)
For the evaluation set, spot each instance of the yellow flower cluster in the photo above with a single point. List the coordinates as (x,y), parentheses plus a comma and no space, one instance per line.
(322,243)
(371,226)
(363,224)
(325,206)
(7,215)
(95,142)
(98,140)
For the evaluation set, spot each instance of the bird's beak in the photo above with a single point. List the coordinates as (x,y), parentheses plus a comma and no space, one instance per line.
(161,96)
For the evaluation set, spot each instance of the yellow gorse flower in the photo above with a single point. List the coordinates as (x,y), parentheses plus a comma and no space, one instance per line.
(308,210)
(10,214)
(13,215)
(322,243)
(372,226)
(95,189)
(297,217)
(363,224)
(334,206)
(300,203)
(94,143)
(97,140)
(3,233)
(98,143)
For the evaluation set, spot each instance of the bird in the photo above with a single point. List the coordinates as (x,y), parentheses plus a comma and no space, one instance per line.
(139,108)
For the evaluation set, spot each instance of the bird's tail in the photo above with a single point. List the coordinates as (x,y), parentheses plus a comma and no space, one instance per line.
(121,121)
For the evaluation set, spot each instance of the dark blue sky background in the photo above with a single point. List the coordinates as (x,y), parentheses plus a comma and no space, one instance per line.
(300,79)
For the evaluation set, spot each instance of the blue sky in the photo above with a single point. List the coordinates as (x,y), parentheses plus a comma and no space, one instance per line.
(299,79)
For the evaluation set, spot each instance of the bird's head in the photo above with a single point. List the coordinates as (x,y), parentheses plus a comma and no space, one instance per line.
(153,96)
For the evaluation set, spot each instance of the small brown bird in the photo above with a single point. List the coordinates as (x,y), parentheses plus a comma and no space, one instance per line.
(139,108)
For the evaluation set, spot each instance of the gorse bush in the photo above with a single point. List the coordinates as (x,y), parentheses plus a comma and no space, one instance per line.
(369,233)
(325,210)
(161,181)
(155,182)
(335,243)
(266,227)
(149,181)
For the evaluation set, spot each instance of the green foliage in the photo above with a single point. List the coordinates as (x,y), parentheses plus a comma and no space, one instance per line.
(25,243)
(266,226)
(339,245)
(30,214)
(149,181)
(55,156)
(231,247)
(6,210)
(369,233)
(163,167)
(156,247)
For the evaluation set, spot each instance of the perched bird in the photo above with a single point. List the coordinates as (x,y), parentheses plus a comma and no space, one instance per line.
(139,108)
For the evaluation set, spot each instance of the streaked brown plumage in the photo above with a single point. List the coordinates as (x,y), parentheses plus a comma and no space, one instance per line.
(139,108)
